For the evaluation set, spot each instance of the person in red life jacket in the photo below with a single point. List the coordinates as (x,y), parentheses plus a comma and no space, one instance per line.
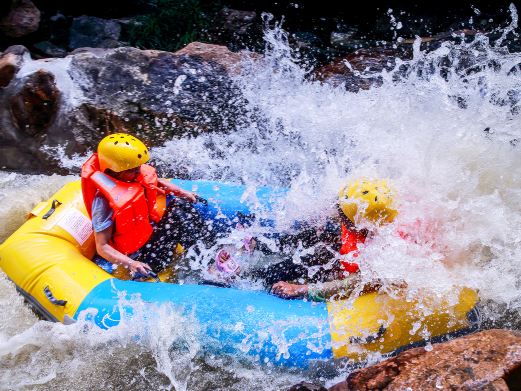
(358,201)
(126,202)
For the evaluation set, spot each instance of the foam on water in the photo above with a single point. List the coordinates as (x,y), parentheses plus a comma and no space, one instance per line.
(443,129)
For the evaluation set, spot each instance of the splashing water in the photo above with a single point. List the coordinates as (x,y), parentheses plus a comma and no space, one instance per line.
(443,129)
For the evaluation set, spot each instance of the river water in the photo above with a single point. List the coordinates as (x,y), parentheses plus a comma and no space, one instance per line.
(444,129)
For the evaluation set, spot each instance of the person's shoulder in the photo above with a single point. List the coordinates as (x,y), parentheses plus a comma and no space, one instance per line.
(102,213)
(100,203)
(99,198)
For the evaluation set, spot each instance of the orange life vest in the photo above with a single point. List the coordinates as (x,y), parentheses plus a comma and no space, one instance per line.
(350,241)
(135,205)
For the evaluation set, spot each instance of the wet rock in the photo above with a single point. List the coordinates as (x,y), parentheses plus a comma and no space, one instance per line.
(361,69)
(18,50)
(342,39)
(216,54)
(177,93)
(48,49)
(305,386)
(236,29)
(488,360)
(237,22)
(92,92)
(89,31)
(435,41)
(305,40)
(10,63)
(35,106)
(22,19)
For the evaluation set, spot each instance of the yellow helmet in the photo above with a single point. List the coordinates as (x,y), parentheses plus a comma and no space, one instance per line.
(120,152)
(376,196)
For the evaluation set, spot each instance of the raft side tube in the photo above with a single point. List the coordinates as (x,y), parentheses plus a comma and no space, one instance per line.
(234,322)
(229,204)
(48,258)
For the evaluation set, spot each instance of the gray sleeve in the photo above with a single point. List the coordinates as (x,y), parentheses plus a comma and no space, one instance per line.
(101,213)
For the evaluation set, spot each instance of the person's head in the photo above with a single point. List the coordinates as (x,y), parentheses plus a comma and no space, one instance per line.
(369,200)
(121,156)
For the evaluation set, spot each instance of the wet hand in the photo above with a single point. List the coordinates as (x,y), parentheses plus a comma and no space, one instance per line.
(223,256)
(140,267)
(192,197)
(289,291)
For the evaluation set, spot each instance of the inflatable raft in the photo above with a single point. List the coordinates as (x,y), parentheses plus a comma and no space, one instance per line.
(49,260)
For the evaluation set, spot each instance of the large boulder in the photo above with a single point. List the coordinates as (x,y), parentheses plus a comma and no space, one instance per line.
(488,360)
(22,19)
(76,100)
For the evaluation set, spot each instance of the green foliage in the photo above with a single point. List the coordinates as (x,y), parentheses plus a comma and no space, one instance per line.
(175,24)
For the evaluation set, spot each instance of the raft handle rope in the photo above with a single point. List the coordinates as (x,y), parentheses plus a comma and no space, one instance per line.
(201,200)
(370,338)
(53,299)
(151,274)
(55,204)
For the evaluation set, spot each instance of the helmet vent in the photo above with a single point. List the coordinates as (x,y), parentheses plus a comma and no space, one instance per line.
(376,199)
(365,192)
(146,153)
(126,142)
(116,143)
(139,156)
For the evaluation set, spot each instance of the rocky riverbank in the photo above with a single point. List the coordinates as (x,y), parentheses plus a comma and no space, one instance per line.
(74,101)
(77,78)
(488,360)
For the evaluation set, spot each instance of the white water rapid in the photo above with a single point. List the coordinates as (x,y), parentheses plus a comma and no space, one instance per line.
(443,129)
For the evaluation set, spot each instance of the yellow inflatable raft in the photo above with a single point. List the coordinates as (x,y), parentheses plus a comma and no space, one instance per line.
(48,258)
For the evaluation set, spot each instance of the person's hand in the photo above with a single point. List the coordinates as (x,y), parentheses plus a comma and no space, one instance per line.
(289,291)
(223,256)
(192,197)
(139,267)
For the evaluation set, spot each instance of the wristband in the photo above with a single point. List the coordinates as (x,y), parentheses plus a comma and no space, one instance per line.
(314,294)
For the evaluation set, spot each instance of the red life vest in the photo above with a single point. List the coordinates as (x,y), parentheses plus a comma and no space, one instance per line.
(350,241)
(135,205)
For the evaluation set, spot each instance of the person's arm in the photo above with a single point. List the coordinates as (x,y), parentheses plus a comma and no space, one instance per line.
(324,290)
(105,250)
(341,288)
(287,290)
(170,188)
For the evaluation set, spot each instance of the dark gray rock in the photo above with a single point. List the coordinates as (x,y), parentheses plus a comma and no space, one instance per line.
(89,31)
(236,21)
(305,40)
(92,92)
(48,49)
(305,386)
(342,39)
